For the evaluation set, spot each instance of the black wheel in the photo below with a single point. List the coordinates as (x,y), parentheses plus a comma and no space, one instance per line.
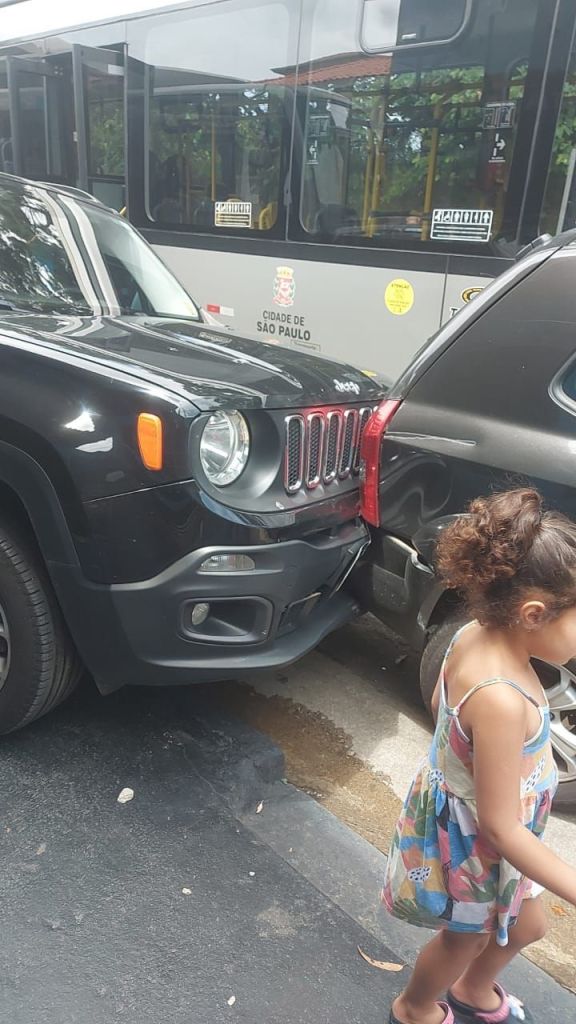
(39,667)
(559,681)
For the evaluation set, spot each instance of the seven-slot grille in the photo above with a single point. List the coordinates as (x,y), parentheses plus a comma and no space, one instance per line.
(322,446)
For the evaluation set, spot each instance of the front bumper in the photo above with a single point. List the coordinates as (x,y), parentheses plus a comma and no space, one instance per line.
(143,633)
(398,587)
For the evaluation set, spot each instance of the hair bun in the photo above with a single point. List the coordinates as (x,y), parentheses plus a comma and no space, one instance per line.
(490,544)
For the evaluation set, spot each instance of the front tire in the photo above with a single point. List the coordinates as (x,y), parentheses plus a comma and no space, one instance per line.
(39,667)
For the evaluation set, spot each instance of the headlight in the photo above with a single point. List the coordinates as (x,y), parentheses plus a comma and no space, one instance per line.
(224,447)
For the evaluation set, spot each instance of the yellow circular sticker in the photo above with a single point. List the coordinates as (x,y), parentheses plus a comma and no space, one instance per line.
(469,293)
(399,296)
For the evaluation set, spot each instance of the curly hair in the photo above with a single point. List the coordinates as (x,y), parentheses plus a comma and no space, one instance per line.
(504,547)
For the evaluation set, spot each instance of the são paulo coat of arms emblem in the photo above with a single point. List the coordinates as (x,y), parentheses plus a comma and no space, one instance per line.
(284,287)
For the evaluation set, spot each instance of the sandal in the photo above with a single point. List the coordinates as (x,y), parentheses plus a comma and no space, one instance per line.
(448,1019)
(510,1011)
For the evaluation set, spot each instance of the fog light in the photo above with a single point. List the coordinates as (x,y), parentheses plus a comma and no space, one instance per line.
(199,613)
(228,563)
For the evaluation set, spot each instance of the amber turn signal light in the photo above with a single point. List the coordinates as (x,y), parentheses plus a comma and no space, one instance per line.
(150,440)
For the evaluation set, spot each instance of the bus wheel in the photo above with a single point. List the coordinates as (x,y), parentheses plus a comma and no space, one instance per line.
(39,667)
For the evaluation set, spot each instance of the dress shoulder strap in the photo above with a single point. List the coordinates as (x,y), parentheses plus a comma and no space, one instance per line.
(453,641)
(493,682)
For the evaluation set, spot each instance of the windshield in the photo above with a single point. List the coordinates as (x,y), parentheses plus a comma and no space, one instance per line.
(36,270)
(140,281)
(44,269)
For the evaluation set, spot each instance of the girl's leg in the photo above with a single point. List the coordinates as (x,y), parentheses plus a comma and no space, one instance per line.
(476,985)
(440,963)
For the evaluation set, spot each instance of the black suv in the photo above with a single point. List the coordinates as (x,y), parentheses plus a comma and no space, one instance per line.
(488,403)
(177,504)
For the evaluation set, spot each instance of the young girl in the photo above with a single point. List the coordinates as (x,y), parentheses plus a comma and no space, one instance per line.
(466,858)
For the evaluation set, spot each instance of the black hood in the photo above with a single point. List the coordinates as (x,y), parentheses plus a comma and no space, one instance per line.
(211,368)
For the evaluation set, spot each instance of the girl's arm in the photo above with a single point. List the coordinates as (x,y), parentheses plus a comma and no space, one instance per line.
(498,721)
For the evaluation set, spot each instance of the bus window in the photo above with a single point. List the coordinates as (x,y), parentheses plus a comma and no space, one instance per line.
(37,114)
(102,73)
(215,111)
(413,146)
(387,24)
(62,111)
(559,207)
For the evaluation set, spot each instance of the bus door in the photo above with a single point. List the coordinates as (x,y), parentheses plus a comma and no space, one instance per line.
(41,118)
(99,77)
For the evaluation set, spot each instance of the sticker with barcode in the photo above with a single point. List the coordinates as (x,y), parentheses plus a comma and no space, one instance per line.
(462,225)
(233,214)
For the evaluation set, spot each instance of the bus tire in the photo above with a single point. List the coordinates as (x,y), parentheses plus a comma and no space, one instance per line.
(39,667)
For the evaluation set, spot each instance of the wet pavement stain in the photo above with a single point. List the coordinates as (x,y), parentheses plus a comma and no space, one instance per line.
(319,760)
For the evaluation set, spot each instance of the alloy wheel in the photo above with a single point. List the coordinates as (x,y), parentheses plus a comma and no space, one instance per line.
(559,681)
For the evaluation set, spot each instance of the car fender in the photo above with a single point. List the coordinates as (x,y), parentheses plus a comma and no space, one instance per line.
(439,601)
(31,484)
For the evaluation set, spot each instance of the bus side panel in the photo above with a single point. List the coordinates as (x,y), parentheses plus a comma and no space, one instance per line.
(369,316)
(461,289)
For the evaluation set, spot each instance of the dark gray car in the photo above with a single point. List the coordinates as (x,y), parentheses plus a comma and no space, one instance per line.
(488,403)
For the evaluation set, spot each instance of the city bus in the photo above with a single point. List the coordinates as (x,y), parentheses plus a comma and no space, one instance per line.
(339,176)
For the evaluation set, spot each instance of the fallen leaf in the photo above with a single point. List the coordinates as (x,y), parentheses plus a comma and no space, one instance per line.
(125,796)
(559,911)
(260,807)
(231,1001)
(381,964)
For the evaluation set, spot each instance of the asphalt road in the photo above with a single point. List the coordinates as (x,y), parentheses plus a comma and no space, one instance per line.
(171,908)
(220,892)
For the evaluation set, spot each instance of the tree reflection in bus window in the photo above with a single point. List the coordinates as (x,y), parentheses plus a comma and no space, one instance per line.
(215,146)
(217,123)
(105,125)
(391,137)
(559,207)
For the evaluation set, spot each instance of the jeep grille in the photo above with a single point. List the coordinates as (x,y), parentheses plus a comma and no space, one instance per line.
(322,446)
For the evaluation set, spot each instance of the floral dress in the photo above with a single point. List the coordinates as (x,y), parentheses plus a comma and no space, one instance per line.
(441,872)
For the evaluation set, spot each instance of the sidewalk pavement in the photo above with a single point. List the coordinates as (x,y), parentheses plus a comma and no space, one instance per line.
(218,894)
